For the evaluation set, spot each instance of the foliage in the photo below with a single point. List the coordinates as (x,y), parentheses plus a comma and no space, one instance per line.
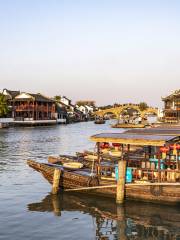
(3,105)
(57,98)
(86,102)
(143,106)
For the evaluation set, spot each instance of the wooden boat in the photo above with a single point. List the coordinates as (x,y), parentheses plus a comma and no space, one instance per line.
(150,182)
(69,178)
(128,125)
(99,121)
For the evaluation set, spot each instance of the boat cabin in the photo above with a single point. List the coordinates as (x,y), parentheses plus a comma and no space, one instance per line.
(149,157)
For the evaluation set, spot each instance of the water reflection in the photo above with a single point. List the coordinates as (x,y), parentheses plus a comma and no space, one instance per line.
(132,221)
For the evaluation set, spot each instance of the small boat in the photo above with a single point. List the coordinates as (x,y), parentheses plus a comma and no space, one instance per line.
(99,121)
(129,125)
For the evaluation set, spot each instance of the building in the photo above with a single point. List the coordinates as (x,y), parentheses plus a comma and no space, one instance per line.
(172,107)
(33,107)
(30,108)
(66,101)
(61,113)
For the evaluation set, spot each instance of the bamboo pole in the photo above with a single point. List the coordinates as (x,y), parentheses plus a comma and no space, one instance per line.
(126,185)
(90,188)
(56,180)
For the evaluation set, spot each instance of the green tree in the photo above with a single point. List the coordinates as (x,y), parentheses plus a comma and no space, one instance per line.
(57,98)
(3,105)
(143,106)
(86,102)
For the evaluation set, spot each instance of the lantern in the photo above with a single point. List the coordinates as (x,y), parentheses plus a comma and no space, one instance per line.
(175,147)
(164,151)
(116,146)
(178,146)
(104,145)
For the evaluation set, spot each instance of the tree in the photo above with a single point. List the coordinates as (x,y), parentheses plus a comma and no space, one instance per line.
(87,102)
(57,98)
(143,106)
(3,105)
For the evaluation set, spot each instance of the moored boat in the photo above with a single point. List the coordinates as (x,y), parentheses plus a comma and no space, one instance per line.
(152,173)
(99,121)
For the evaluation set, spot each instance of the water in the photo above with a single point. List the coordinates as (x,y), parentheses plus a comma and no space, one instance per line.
(28,211)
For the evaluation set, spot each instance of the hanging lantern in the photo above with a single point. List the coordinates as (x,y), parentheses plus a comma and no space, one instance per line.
(178,146)
(175,147)
(164,151)
(116,144)
(104,145)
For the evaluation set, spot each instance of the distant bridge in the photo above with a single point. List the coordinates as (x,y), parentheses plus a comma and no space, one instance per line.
(117,111)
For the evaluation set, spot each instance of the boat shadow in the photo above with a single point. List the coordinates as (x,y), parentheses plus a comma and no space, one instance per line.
(134,220)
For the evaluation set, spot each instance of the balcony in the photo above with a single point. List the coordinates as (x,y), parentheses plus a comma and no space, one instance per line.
(28,108)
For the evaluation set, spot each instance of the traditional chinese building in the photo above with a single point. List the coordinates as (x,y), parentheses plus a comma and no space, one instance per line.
(32,107)
(172,107)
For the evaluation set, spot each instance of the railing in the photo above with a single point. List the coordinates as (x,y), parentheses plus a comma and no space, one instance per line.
(144,170)
(34,108)
(32,119)
(164,175)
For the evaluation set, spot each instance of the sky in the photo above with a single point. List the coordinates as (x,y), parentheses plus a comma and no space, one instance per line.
(109,51)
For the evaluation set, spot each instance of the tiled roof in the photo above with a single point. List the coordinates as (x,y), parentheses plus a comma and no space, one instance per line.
(41,98)
(12,93)
(175,93)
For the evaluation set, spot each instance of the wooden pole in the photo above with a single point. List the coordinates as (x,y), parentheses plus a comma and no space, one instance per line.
(159,167)
(121,180)
(98,158)
(56,180)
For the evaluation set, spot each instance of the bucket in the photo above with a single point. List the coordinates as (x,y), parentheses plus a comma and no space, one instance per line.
(128,174)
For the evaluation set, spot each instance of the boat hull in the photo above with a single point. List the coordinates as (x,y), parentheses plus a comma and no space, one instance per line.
(154,192)
(68,179)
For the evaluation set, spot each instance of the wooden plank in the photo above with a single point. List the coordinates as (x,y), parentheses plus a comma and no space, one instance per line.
(90,188)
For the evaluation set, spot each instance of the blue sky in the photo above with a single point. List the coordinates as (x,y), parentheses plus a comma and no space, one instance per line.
(108,51)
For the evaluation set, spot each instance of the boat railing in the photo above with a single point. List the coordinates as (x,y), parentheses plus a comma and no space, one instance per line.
(163,175)
(142,171)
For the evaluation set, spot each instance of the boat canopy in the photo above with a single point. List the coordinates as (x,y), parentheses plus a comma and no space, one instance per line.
(135,139)
(171,131)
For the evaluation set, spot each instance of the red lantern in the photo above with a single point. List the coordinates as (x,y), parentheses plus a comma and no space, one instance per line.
(175,147)
(172,146)
(164,149)
(116,144)
(178,146)
(104,145)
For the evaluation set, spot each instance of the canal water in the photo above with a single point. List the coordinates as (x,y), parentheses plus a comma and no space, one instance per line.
(29,211)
